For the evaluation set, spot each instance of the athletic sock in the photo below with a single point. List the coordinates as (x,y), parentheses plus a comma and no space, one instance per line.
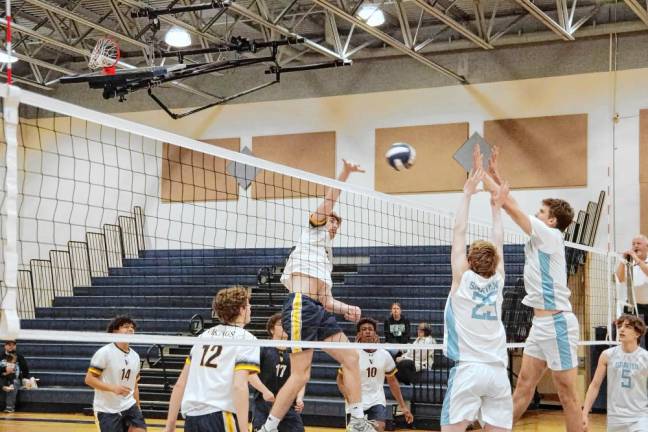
(356,410)
(272,423)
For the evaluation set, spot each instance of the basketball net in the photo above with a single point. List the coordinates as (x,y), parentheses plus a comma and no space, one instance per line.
(105,55)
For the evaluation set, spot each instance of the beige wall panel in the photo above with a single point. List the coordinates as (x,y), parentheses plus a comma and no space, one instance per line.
(541,152)
(434,169)
(312,152)
(189,176)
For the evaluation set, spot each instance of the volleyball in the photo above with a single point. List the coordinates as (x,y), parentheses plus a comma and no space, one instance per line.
(400,155)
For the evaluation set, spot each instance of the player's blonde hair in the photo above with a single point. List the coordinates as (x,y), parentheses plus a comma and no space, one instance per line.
(228,302)
(483,258)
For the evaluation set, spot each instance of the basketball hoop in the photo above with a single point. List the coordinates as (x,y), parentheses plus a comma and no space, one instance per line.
(105,55)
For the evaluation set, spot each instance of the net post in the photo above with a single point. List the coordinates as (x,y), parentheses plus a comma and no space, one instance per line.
(9,321)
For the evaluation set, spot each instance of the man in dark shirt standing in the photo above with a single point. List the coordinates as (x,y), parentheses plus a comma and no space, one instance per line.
(396,328)
(275,370)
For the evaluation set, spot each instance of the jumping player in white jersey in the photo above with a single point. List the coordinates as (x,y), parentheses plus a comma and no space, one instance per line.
(626,366)
(376,366)
(212,388)
(553,338)
(308,311)
(474,336)
(114,374)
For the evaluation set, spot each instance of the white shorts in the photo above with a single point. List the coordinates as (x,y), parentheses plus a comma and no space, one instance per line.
(639,425)
(478,391)
(554,339)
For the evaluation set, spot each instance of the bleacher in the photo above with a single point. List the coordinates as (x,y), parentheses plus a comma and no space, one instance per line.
(163,289)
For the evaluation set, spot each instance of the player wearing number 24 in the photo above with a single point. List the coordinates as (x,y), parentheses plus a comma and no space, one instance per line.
(114,374)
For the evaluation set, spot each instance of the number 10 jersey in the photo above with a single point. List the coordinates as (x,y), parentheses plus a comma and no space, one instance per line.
(473,329)
(211,371)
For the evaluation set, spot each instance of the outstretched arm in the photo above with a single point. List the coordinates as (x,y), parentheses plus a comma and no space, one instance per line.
(498,197)
(351,313)
(594,387)
(458,260)
(394,386)
(176,399)
(332,194)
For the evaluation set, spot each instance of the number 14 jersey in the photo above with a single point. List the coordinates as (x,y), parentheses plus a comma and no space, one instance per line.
(211,371)
(473,329)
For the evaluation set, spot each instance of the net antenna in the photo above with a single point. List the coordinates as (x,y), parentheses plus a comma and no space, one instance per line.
(105,55)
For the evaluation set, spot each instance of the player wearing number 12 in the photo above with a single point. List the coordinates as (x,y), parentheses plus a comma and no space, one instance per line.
(212,388)
(474,336)
(114,374)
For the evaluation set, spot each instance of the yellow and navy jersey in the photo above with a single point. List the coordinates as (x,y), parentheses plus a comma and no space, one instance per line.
(374,367)
(116,367)
(211,371)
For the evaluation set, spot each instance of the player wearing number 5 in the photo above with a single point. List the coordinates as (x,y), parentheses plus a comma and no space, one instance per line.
(474,336)
(627,380)
(114,374)
(212,388)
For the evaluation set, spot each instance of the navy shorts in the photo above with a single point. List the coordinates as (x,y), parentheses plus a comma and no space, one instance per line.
(376,412)
(292,421)
(305,319)
(218,421)
(121,421)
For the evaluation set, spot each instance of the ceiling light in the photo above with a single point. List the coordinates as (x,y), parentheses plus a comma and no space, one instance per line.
(372,15)
(177,37)
(6,58)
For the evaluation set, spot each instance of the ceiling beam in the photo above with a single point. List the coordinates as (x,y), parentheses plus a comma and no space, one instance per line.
(545,19)
(638,9)
(450,22)
(389,40)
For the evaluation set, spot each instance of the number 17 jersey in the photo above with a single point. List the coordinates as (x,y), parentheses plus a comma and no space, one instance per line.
(211,371)
(473,329)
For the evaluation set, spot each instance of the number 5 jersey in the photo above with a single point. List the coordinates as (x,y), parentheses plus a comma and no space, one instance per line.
(627,381)
(473,328)
(211,370)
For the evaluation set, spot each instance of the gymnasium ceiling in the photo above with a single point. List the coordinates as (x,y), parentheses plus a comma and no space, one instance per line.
(53,38)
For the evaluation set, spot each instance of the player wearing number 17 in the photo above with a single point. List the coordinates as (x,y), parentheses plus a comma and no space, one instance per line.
(114,374)
(474,336)
(212,388)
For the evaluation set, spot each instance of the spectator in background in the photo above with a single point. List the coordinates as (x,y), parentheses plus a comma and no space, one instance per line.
(416,360)
(396,328)
(637,256)
(17,368)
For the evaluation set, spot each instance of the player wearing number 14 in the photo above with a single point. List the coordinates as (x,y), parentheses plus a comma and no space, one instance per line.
(114,374)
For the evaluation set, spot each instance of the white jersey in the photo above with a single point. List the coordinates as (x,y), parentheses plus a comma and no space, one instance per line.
(640,283)
(312,256)
(545,269)
(211,371)
(627,384)
(374,367)
(115,367)
(473,329)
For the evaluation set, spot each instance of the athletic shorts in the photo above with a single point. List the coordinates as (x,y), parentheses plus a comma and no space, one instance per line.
(292,421)
(219,421)
(554,339)
(305,319)
(639,425)
(478,391)
(121,421)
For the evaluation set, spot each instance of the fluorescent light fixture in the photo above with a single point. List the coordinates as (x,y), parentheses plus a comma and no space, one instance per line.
(372,15)
(6,58)
(177,37)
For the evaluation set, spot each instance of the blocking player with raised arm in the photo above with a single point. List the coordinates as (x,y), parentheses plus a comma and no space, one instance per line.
(474,336)
(554,334)
(114,374)
(376,366)
(275,370)
(212,389)
(626,367)
(308,312)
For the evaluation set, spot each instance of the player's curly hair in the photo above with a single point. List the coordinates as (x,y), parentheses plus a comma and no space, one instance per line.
(119,321)
(561,210)
(228,302)
(636,323)
(483,258)
(272,322)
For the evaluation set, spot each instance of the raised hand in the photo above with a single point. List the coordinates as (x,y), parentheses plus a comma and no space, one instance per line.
(493,167)
(475,177)
(499,195)
(351,167)
(478,158)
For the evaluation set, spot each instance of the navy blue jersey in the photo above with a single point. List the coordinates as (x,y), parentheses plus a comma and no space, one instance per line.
(275,369)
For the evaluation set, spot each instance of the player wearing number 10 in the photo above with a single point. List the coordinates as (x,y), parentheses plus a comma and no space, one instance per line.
(474,336)
(212,388)
(114,374)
